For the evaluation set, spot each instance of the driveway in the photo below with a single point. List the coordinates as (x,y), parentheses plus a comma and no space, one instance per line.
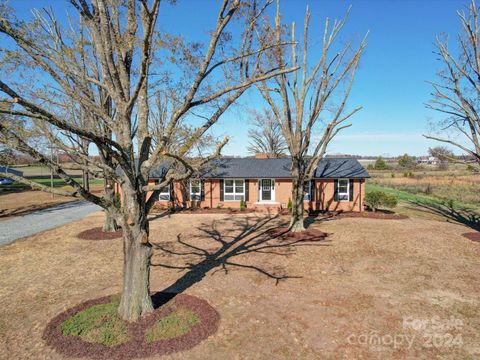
(37,221)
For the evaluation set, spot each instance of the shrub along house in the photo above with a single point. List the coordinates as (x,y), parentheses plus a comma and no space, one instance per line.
(338,184)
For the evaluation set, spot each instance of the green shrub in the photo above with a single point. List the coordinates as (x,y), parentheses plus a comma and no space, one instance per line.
(407,162)
(242,204)
(289,205)
(380,164)
(392,175)
(377,199)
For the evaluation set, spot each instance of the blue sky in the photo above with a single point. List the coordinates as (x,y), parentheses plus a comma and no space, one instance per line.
(391,81)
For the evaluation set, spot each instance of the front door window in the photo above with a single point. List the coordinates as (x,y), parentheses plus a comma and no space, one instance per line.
(266,189)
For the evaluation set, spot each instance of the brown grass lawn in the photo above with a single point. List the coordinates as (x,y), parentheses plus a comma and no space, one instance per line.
(15,203)
(357,285)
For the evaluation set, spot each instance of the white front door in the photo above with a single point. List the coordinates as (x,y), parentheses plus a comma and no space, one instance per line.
(267,190)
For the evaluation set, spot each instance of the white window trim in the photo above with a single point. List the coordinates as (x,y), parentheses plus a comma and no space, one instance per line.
(309,193)
(347,193)
(197,195)
(163,193)
(234,190)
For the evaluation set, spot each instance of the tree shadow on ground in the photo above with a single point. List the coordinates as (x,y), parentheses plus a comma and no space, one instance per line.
(466,217)
(320,217)
(247,235)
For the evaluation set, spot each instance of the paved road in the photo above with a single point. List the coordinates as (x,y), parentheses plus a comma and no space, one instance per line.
(26,225)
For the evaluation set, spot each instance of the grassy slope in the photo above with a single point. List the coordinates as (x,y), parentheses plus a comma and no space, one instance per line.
(418,198)
(431,207)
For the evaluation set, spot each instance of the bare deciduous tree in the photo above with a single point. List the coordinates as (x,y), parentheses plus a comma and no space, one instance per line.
(305,99)
(122,35)
(266,135)
(456,93)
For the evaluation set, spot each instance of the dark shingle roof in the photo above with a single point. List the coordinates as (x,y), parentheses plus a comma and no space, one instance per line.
(273,168)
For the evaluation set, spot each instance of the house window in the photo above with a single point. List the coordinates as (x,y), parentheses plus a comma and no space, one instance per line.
(195,189)
(234,190)
(343,189)
(164,194)
(307,190)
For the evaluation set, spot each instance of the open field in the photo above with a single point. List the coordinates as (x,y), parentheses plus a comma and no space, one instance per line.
(20,202)
(18,199)
(40,171)
(305,300)
(453,185)
(452,195)
(431,207)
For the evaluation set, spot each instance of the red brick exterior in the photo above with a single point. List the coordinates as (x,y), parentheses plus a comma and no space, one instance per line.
(323,196)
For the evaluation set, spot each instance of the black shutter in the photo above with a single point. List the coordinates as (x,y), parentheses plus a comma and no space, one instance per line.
(202,190)
(350,194)
(247,193)
(312,190)
(221,190)
(186,184)
(335,189)
(172,194)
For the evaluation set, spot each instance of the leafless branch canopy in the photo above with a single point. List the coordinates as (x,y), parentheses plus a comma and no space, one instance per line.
(103,82)
(456,93)
(266,135)
(312,95)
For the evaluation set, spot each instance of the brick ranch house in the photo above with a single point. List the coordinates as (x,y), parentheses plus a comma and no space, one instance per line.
(338,184)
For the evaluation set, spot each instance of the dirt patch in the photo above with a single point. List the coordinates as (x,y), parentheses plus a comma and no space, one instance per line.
(138,346)
(308,235)
(98,234)
(474,236)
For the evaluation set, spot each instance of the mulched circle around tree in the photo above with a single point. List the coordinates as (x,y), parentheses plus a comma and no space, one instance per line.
(284,233)
(98,234)
(182,322)
(474,236)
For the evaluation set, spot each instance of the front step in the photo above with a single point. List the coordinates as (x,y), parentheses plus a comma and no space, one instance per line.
(268,207)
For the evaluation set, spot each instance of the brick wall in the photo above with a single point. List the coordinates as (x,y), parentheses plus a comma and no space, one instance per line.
(323,195)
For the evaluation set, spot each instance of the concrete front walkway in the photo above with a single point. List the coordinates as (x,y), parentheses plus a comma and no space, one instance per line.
(41,220)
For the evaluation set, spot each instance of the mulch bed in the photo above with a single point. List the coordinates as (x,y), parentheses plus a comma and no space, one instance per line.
(137,347)
(98,234)
(474,236)
(372,215)
(213,211)
(284,233)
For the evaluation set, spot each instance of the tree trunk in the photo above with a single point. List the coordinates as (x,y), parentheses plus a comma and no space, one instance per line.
(296,221)
(110,223)
(135,301)
(85,175)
